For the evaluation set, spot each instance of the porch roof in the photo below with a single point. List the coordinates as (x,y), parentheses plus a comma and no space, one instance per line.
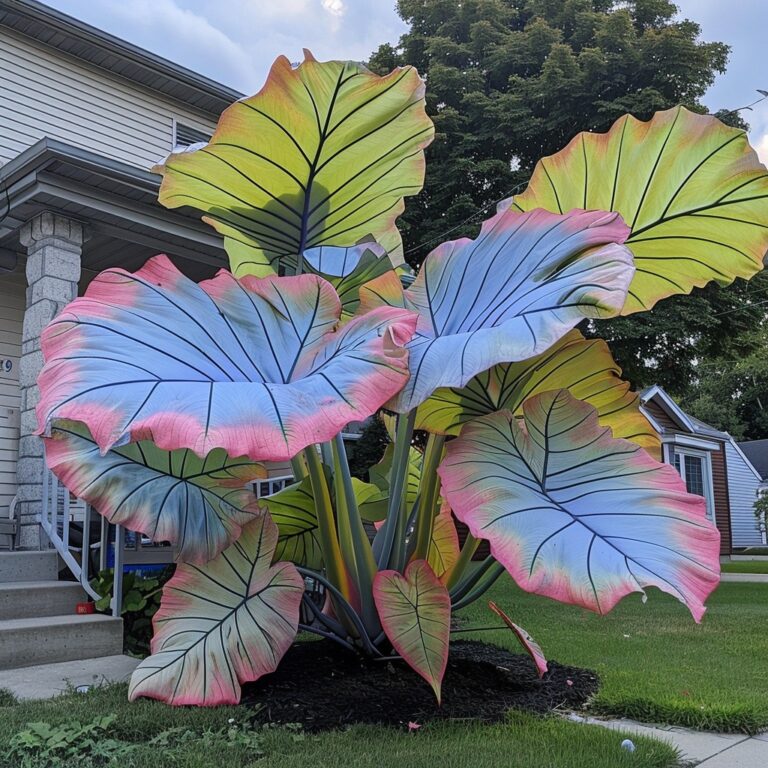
(115,201)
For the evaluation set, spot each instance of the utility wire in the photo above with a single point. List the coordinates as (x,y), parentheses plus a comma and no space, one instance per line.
(468,219)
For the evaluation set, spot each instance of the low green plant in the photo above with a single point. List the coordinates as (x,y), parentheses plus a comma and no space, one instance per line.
(93,744)
(761,512)
(87,743)
(141,599)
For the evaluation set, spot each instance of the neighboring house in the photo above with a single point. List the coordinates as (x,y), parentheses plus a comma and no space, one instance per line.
(83,117)
(757,453)
(712,464)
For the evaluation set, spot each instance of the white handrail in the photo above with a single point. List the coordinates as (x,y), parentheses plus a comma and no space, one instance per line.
(56,517)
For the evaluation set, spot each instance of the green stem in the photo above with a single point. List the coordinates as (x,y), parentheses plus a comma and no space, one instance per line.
(299,467)
(465,558)
(429,494)
(469,581)
(353,536)
(393,531)
(326,525)
(485,581)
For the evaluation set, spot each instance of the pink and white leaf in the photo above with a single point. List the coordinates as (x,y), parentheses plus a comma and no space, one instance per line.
(415,613)
(576,515)
(222,624)
(508,295)
(254,366)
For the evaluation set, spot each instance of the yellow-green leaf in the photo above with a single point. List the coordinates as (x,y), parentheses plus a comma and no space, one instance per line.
(691,189)
(584,367)
(322,155)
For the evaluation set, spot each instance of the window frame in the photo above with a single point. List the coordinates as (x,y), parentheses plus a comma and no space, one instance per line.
(672,449)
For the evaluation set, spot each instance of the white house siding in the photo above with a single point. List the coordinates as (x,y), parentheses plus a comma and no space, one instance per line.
(12,293)
(742,488)
(46,93)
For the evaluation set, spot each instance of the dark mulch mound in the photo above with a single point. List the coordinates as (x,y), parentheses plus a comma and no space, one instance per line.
(322,686)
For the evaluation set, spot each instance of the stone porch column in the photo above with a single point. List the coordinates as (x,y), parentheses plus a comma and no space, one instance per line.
(54,245)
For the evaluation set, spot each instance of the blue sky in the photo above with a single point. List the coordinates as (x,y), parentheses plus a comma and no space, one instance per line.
(234,41)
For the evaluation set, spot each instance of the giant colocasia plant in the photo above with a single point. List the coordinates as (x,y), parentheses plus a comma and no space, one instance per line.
(162,398)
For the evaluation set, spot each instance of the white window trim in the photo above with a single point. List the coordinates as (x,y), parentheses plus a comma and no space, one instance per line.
(689,441)
(709,488)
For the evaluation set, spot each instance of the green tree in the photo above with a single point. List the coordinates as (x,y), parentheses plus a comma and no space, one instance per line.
(731,392)
(510,81)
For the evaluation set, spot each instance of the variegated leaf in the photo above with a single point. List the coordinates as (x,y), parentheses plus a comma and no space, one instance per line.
(575,514)
(222,624)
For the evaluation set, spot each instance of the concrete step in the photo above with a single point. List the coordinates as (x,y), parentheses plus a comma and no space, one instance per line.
(29,566)
(28,599)
(50,639)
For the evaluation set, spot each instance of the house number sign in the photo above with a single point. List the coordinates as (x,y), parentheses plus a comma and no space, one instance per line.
(6,366)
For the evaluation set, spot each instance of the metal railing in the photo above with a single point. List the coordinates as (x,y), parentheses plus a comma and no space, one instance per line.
(67,524)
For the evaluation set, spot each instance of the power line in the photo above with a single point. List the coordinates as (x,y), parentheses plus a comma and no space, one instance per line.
(468,219)
(738,309)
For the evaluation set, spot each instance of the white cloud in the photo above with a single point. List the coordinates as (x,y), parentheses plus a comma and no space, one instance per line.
(761,147)
(334,7)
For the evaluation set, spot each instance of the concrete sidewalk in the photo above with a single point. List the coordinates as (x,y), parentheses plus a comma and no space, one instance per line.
(701,748)
(48,680)
(753,578)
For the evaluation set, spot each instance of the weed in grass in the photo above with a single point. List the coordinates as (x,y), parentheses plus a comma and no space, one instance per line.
(7,698)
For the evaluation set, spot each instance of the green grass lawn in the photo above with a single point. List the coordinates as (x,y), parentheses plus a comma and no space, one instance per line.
(654,662)
(521,742)
(745,566)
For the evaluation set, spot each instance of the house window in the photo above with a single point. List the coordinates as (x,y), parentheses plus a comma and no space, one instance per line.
(185,135)
(696,470)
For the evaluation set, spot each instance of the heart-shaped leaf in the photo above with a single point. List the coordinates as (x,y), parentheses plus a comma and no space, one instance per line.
(691,189)
(198,504)
(584,367)
(510,294)
(415,613)
(222,624)
(532,648)
(575,514)
(253,366)
(322,155)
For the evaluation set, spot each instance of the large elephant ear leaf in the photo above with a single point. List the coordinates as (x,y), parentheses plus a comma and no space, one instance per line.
(258,367)
(584,367)
(415,613)
(198,504)
(510,294)
(322,155)
(575,514)
(691,189)
(222,624)
(293,511)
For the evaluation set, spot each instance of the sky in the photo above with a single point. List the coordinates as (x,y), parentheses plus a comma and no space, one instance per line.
(235,41)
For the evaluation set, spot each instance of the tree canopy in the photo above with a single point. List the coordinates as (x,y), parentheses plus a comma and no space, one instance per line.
(511,81)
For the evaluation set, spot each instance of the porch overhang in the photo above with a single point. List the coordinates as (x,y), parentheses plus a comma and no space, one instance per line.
(116,202)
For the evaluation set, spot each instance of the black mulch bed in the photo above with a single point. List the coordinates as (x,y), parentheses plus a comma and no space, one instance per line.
(323,687)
